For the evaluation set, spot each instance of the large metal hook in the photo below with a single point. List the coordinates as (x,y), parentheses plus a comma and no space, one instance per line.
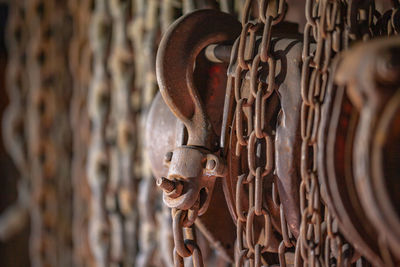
(193,167)
(176,59)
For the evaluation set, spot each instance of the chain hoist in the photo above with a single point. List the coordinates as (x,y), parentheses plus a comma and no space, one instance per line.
(272,146)
(270,134)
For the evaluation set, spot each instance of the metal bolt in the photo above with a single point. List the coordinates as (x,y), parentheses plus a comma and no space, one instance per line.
(166,184)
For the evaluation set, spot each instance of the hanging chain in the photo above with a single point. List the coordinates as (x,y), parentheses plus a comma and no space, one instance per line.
(121,193)
(98,156)
(48,133)
(325,25)
(14,134)
(333,26)
(252,130)
(144,30)
(80,60)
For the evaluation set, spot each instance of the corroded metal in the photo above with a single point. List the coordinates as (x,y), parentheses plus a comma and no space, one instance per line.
(185,101)
(372,85)
(194,165)
(290,202)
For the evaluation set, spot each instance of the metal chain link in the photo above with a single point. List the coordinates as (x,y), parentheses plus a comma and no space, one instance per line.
(332,25)
(121,192)
(143,34)
(252,129)
(80,67)
(324,25)
(98,155)
(14,134)
(48,133)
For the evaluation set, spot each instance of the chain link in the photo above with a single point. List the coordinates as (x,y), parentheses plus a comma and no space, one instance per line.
(326,25)
(80,68)
(143,32)
(14,134)
(252,131)
(331,27)
(121,191)
(48,133)
(98,164)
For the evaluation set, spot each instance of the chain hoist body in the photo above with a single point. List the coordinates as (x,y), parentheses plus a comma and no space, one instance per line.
(293,166)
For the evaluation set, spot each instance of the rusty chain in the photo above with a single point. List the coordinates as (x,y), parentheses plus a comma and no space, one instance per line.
(80,60)
(325,24)
(333,26)
(252,131)
(98,155)
(121,193)
(48,133)
(14,133)
(143,30)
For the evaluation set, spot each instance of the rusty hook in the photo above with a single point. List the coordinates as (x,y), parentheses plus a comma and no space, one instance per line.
(176,59)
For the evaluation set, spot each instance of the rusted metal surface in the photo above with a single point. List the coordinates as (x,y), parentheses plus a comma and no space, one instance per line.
(36,135)
(80,55)
(181,50)
(343,215)
(295,213)
(194,165)
(13,131)
(161,120)
(253,98)
(372,87)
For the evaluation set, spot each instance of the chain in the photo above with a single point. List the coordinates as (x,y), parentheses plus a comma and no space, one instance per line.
(332,25)
(143,34)
(121,193)
(185,236)
(98,155)
(80,60)
(312,91)
(16,216)
(48,133)
(13,126)
(252,131)
(389,22)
